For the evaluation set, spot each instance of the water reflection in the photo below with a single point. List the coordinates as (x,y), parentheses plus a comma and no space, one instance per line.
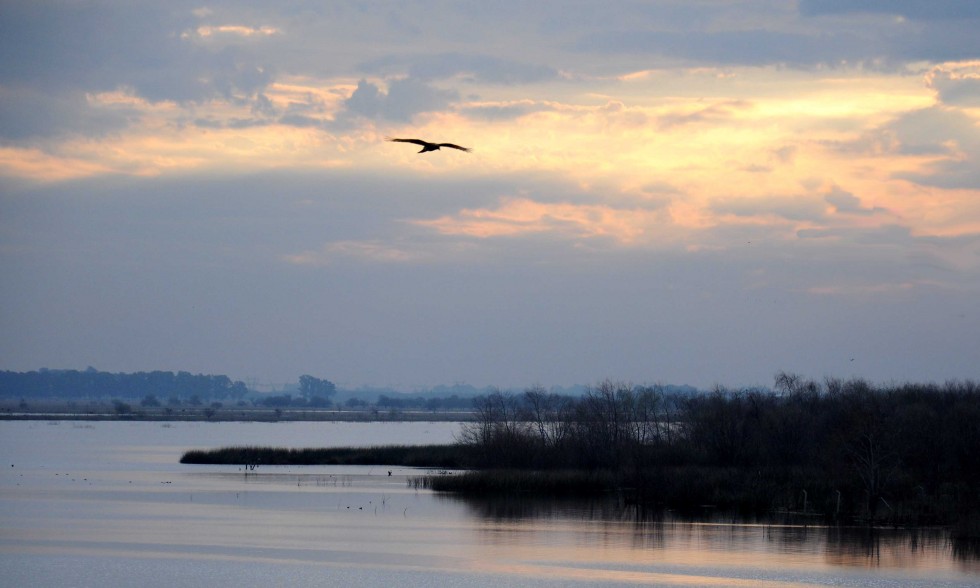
(965,550)
(110,501)
(610,524)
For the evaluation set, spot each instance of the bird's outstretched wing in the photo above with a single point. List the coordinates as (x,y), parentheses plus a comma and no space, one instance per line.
(466,149)
(427,146)
(416,141)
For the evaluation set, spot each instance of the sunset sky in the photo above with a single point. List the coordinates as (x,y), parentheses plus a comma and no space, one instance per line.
(681,191)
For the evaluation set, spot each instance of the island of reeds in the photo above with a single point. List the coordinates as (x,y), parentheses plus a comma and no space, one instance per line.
(838,450)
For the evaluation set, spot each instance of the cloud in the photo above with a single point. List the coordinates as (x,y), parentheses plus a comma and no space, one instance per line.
(952,135)
(742,47)
(35,165)
(504,111)
(936,41)
(208,31)
(372,251)
(944,30)
(688,200)
(846,203)
(937,146)
(947,174)
(957,84)
(404,99)
(893,254)
(809,211)
(890,234)
(470,68)
(863,289)
(863,33)
(712,113)
(914,9)
(245,254)
(96,47)
(522,216)
(789,208)
(659,189)
(27,113)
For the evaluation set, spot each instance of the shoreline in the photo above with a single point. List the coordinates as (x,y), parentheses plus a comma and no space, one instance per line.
(218,415)
(682,487)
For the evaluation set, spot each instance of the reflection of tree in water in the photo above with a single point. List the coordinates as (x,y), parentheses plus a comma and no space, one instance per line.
(966,550)
(507,508)
(844,451)
(854,546)
(879,547)
(608,519)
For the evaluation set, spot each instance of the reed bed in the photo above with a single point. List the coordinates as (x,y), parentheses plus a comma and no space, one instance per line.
(437,456)
(579,483)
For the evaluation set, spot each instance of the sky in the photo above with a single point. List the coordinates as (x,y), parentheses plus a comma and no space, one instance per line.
(701,192)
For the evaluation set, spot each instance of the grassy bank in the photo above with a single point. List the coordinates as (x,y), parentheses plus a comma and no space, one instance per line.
(546,483)
(436,456)
(841,451)
(675,487)
(749,491)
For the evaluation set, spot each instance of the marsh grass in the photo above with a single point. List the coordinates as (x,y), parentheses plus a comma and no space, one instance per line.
(682,487)
(437,456)
(844,451)
(531,482)
(687,488)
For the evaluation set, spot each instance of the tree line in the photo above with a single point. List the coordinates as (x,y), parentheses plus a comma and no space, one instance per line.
(164,388)
(91,384)
(837,447)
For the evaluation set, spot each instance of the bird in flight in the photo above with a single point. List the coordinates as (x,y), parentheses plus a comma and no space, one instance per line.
(426,146)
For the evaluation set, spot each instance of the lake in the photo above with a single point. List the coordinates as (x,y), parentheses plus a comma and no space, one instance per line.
(107,504)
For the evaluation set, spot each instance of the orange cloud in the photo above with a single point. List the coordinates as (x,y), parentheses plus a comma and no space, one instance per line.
(756,136)
(38,166)
(522,216)
(366,250)
(207,31)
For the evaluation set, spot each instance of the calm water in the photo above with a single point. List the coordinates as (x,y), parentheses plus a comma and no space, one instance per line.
(107,504)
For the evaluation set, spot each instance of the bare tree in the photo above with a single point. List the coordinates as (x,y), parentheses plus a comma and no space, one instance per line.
(499,432)
(603,421)
(549,415)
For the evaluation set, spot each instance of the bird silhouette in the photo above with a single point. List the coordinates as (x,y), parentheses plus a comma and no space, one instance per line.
(427,146)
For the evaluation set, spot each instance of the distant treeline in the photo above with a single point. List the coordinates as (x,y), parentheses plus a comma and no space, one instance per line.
(384,402)
(446,403)
(169,389)
(843,450)
(93,384)
(908,452)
